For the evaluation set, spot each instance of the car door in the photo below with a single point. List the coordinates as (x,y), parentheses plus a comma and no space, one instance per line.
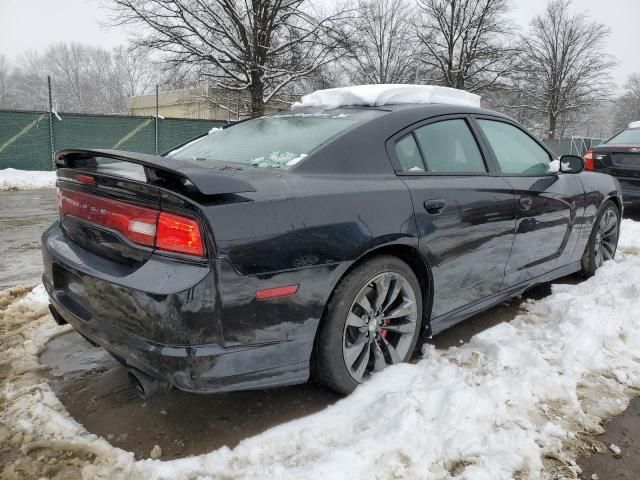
(547,202)
(465,217)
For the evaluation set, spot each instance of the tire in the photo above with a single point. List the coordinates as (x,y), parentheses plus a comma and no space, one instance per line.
(368,339)
(603,240)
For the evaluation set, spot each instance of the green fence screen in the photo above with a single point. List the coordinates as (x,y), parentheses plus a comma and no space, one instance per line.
(26,140)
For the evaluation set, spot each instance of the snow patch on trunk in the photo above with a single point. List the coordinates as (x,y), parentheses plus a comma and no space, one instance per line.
(387,94)
(12,179)
(278,160)
(514,402)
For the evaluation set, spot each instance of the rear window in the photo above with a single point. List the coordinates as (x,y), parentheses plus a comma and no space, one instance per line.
(280,141)
(626,137)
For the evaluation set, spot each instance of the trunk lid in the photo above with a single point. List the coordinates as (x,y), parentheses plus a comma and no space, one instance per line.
(124,206)
(621,161)
(156,170)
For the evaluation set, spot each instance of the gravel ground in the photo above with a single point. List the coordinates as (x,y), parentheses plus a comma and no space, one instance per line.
(94,388)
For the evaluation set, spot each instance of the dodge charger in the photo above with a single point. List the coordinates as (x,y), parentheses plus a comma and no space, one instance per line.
(322,242)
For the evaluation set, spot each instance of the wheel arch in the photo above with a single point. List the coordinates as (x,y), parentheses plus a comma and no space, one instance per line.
(414,259)
(615,199)
(586,261)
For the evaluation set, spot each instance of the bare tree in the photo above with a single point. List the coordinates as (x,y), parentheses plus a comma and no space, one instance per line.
(135,73)
(564,66)
(29,82)
(5,72)
(383,46)
(258,46)
(68,65)
(628,105)
(85,79)
(331,75)
(467,43)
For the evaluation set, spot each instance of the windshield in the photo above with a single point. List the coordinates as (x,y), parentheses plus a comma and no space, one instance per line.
(279,141)
(626,137)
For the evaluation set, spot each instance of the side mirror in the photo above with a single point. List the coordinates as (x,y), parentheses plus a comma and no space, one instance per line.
(571,164)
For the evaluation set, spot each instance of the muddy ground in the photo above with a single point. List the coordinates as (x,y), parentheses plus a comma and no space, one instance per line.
(24,215)
(95,390)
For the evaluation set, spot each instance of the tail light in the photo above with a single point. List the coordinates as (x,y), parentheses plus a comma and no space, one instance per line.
(142,225)
(589,161)
(179,234)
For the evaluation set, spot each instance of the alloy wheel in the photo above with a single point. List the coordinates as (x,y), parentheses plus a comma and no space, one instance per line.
(380,325)
(606,237)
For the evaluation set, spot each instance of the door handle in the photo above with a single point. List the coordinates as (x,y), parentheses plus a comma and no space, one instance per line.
(435,206)
(525,203)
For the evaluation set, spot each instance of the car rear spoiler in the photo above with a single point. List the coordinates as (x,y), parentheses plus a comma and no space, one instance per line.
(206,180)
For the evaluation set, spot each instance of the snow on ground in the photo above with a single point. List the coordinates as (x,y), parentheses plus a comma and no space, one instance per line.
(36,296)
(12,179)
(630,237)
(387,94)
(518,401)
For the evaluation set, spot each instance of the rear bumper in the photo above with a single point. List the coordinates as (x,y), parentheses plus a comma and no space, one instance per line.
(630,190)
(170,320)
(201,369)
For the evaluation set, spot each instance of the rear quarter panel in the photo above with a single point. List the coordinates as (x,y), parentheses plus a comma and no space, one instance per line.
(308,233)
(598,188)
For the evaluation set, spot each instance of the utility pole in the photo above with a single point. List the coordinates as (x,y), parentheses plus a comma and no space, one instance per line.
(51,144)
(157,116)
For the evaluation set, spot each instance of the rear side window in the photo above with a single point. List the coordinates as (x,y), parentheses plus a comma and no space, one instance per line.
(516,152)
(449,147)
(409,155)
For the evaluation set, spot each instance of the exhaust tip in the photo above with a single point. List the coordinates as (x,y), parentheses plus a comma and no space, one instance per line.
(59,319)
(136,384)
(145,385)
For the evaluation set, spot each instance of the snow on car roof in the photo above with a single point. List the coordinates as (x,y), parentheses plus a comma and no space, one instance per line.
(631,125)
(389,94)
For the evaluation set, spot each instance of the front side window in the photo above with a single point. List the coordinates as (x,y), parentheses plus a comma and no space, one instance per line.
(515,151)
(449,147)
(279,141)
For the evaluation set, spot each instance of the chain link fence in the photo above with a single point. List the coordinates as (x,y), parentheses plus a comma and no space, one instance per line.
(27,138)
(572,146)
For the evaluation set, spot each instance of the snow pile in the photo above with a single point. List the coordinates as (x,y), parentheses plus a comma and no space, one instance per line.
(634,125)
(12,179)
(278,160)
(37,296)
(514,402)
(376,95)
(308,115)
(630,237)
(34,426)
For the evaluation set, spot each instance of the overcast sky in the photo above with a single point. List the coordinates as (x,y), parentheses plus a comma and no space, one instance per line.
(35,24)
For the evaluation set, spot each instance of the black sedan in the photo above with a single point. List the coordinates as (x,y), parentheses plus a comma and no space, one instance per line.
(320,242)
(620,156)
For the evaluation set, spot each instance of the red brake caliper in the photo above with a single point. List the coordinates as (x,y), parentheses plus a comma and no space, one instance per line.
(383,332)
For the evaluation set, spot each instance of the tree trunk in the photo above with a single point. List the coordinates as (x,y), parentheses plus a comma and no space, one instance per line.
(257,94)
(553,121)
